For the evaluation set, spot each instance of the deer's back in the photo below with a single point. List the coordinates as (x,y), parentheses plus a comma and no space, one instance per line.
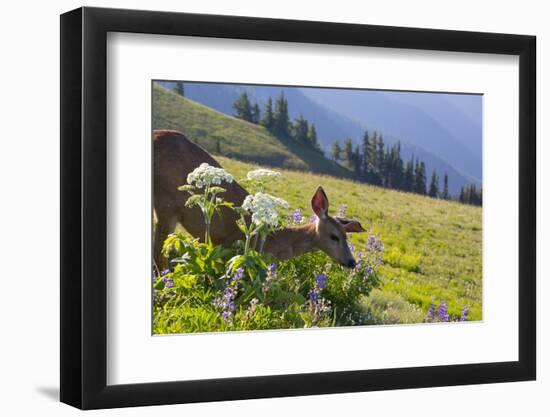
(174,157)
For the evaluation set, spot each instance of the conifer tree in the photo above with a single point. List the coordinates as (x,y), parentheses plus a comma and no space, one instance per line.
(380,159)
(434,186)
(445,194)
(420,178)
(300,130)
(267,120)
(365,150)
(399,167)
(180,88)
(255,114)
(373,162)
(312,136)
(357,160)
(408,180)
(348,153)
(336,151)
(280,116)
(242,108)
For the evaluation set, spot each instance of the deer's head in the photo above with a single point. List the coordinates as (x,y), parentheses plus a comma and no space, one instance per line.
(331,231)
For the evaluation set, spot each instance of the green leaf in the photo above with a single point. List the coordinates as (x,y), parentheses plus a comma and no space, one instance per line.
(182,259)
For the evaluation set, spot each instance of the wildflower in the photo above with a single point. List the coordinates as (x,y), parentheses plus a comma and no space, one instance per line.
(263,208)
(442,313)
(318,306)
(238,276)
(168,282)
(313,218)
(206,175)
(262,173)
(252,308)
(351,246)
(314,294)
(321,281)
(342,210)
(270,277)
(465,312)
(371,242)
(297,216)
(431,312)
(226,303)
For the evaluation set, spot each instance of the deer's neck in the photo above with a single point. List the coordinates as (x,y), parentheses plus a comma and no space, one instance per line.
(292,241)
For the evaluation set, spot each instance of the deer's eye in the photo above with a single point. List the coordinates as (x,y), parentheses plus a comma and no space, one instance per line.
(335,238)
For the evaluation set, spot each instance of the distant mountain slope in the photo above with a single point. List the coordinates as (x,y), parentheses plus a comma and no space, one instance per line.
(431,123)
(337,116)
(329,125)
(231,137)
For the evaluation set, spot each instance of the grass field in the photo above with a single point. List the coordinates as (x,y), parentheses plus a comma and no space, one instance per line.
(432,248)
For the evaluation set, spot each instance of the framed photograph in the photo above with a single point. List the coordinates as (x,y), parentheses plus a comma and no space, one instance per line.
(257,208)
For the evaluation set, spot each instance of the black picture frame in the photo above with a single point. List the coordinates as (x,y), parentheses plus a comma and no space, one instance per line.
(84,207)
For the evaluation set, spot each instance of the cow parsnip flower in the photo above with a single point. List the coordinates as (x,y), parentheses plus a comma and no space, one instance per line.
(261,174)
(263,208)
(206,175)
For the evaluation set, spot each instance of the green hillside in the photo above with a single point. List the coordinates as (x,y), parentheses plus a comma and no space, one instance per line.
(224,135)
(432,248)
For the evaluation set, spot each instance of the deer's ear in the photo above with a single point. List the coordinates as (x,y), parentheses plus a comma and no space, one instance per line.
(350,226)
(319,203)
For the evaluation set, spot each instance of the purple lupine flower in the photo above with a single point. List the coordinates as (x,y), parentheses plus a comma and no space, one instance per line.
(351,246)
(226,303)
(271,275)
(368,271)
(297,216)
(164,271)
(314,294)
(342,210)
(272,268)
(465,312)
(313,218)
(168,282)
(238,275)
(371,242)
(431,312)
(321,281)
(442,313)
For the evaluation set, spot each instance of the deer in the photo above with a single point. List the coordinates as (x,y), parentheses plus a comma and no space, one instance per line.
(175,156)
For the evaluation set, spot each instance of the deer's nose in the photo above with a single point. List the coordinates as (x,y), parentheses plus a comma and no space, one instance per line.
(351,263)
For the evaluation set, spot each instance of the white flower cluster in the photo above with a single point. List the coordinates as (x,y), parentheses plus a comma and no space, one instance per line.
(263,208)
(261,173)
(206,175)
